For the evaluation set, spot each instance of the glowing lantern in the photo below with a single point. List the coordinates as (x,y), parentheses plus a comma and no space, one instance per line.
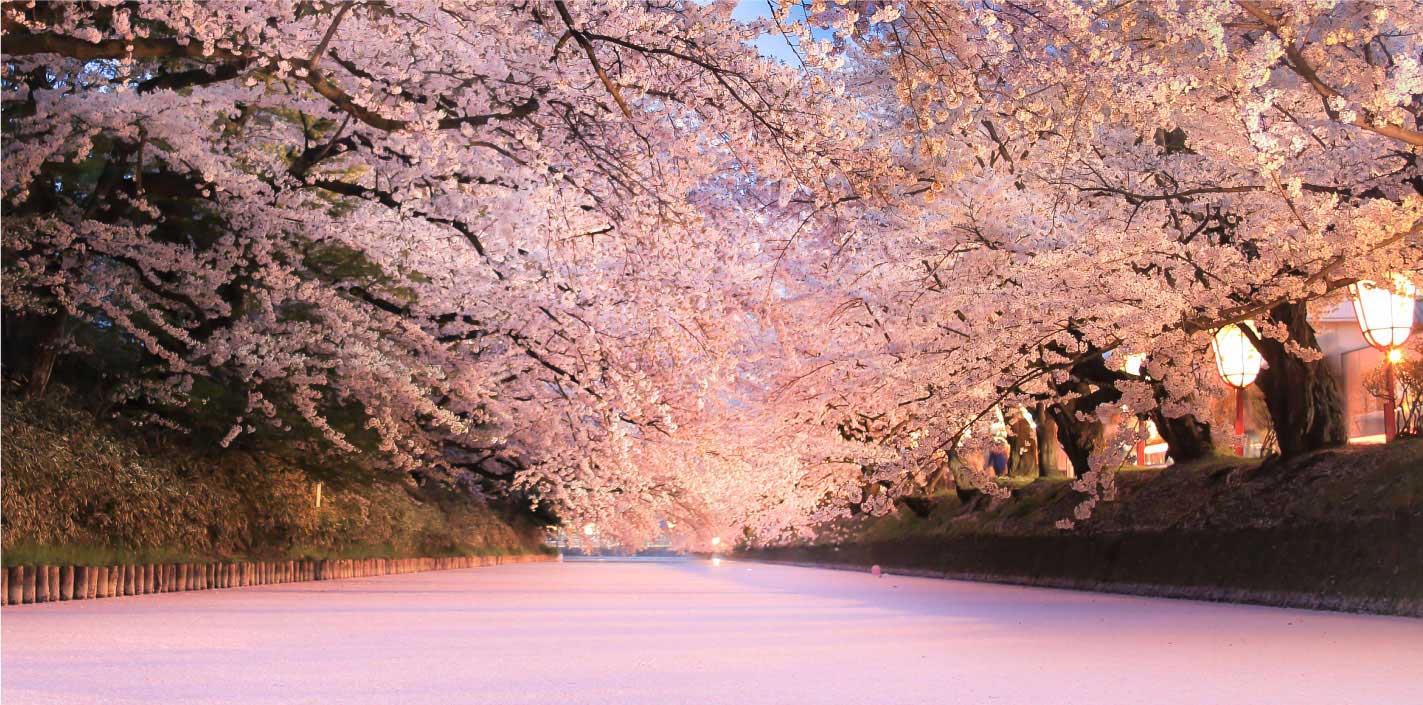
(1385,313)
(1386,319)
(1236,358)
(1238,363)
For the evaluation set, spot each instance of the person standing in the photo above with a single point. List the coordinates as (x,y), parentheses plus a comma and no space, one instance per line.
(998,458)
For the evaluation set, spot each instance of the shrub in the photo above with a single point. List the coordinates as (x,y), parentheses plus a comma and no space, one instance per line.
(72,486)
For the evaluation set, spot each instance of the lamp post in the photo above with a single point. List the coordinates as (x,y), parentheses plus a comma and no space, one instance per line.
(1385,315)
(1238,363)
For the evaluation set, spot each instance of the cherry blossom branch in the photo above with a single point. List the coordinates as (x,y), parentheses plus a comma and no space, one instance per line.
(388,199)
(587,46)
(1301,65)
(21,42)
(330,32)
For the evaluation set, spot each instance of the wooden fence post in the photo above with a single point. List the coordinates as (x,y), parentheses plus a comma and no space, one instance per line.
(81,582)
(41,583)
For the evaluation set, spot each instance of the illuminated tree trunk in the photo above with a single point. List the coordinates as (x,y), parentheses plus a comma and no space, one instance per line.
(1090,385)
(1047,443)
(1078,438)
(1302,397)
(1022,448)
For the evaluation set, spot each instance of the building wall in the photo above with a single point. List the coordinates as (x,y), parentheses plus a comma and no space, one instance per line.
(1351,358)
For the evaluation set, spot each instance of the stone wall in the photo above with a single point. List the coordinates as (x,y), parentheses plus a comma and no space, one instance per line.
(1369,566)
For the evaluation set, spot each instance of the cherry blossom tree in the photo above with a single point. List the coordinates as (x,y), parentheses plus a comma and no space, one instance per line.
(1110,179)
(487,231)
(606,255)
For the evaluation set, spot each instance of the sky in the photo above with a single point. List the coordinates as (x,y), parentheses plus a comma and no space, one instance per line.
(774,46)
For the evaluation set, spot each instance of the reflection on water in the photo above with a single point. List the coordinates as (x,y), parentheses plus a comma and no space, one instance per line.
(667,558)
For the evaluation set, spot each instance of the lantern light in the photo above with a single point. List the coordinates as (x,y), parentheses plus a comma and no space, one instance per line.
(1238,363)
(1385,316)
(1385,313)
(1236,359)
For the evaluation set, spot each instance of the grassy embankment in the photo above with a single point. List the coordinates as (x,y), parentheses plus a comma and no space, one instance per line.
(1338,529)
(77,491)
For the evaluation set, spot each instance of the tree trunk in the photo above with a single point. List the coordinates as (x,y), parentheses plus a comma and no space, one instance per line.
(1093,382)
(1047,439)
(1093,385)
(940,479)
(1186,437)
(43,354)
(1078,438)
(1302,397)
(1022,447)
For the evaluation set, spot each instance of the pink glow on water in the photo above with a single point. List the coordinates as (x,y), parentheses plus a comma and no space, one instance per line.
(682,632)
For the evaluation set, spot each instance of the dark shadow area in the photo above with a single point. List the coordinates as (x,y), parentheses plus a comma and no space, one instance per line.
(1373,566)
